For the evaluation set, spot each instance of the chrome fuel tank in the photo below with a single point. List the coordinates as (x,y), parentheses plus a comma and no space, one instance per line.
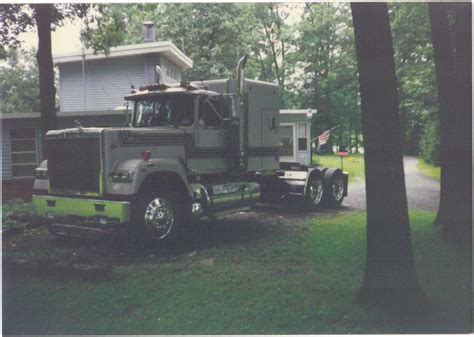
(217,198)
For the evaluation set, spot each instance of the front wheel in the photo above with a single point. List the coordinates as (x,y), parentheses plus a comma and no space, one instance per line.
(156,217)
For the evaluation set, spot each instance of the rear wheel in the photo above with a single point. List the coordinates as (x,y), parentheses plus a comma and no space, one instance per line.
(333,187)
(314,192)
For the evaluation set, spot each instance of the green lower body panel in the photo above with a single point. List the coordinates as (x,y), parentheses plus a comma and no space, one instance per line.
(61,207)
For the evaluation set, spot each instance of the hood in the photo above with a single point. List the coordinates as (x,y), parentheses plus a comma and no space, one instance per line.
(79,132)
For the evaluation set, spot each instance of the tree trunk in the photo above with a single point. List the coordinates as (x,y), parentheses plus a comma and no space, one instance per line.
(44,17)
(453,77)
(390,276)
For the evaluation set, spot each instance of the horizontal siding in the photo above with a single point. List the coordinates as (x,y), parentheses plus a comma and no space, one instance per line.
(107,82)
(39,146)
(6,154)
(165,64)
(6,149)
(303,157)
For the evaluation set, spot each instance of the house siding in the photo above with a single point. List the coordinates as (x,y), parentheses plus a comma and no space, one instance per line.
(166,65)
(303,157)
(107,82)
(6,154)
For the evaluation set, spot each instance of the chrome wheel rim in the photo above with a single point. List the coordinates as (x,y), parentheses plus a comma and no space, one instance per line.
(159,218)
(337,188)
(316,191)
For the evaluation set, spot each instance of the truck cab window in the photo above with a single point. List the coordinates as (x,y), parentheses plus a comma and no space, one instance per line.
(164,110)
(211,112)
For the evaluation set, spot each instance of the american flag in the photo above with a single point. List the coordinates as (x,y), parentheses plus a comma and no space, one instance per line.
(324,137)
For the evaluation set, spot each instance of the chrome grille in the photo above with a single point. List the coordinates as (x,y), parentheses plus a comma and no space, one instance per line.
(74,164)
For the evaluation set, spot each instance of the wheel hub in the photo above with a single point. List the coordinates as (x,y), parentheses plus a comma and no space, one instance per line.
(316,191)
(159,217)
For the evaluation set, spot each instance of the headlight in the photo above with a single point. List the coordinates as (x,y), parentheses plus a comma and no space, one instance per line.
(122,176)
(41,173)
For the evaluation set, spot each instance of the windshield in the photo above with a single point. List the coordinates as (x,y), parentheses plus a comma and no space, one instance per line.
(176,110)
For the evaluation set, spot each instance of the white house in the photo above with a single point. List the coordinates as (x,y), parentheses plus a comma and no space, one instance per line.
(89,82)
(295,135)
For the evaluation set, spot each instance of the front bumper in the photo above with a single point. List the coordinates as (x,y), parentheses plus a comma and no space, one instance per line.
(88,211)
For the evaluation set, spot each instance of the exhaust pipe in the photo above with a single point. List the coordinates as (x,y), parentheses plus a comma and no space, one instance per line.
(240,73)
(243,116)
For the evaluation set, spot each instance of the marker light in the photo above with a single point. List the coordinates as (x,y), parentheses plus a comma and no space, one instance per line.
(146,155)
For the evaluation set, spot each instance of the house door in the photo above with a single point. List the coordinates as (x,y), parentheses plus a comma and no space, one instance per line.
(287,143)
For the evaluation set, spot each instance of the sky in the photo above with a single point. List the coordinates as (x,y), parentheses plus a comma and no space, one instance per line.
(65,39)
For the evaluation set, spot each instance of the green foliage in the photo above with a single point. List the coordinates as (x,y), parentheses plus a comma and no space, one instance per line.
(430,145)
(326,62)
(14,207)
(213,35)
(416,78)
(19,82)
(19,18)
(303,280)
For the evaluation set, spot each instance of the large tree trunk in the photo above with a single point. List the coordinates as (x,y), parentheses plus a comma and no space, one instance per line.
(453,76)
(43,17)
(390,276)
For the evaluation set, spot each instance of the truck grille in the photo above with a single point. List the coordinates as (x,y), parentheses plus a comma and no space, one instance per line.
(74,164)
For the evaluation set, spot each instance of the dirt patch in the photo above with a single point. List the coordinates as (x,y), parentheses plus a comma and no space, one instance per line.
(77,258)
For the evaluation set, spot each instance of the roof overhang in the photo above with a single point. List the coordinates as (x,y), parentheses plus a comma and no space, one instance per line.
(308,113)
(166,48)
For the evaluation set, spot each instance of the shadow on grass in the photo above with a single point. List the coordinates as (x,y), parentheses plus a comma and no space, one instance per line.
(41,254)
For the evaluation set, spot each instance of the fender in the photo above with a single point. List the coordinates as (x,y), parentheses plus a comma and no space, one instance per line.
(140,170)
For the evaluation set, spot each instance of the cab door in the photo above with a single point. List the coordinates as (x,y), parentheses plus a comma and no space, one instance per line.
(212,147)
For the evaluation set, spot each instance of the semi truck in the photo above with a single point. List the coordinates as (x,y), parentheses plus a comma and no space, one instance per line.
(189,150)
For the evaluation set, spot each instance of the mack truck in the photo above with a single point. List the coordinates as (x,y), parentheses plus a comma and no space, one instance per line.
(189,150)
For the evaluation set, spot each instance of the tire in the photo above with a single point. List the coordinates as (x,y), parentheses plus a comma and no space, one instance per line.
(333,188)
(156,217)
(314,192)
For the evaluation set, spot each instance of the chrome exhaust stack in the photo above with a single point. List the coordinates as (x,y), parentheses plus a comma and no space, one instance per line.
(243,125)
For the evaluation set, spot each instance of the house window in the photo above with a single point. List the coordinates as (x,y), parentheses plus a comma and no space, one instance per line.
(286,141)
(302,137)
(23,151)
(172,72)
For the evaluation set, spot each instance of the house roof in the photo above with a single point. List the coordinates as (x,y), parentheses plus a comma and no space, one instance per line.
(167,48)
(298,111)
(16,115)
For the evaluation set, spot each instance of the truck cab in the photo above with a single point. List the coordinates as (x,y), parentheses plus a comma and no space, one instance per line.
(190,150)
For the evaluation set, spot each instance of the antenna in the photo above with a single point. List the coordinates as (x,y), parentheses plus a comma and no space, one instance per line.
(83,68)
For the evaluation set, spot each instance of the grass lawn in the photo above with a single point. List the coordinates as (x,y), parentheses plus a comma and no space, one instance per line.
(299,280)
(354,164)
(428,169)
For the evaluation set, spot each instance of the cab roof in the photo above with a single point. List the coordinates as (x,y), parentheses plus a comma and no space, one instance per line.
(165,89)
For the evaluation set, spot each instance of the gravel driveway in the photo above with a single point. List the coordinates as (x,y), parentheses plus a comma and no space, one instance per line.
(422,191)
